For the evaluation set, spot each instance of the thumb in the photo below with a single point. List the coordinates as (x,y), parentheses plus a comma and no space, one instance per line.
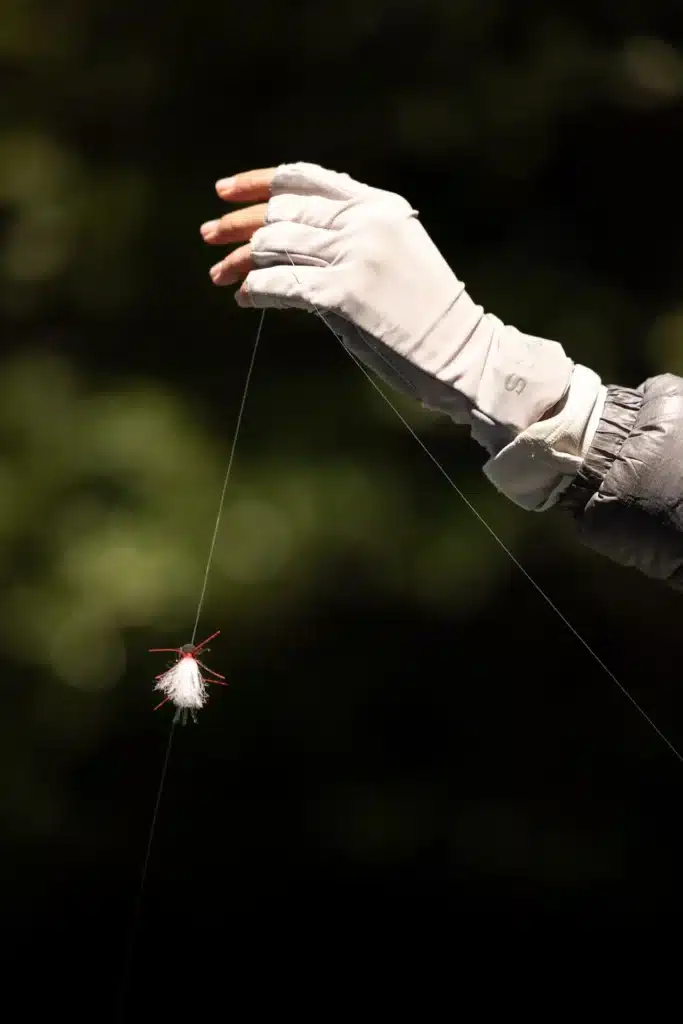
(283,287)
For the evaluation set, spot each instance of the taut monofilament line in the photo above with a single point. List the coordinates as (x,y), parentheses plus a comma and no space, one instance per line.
(184,683)
(186,688)
(378,351)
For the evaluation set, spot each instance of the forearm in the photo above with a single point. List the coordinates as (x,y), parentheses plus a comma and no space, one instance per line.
(555,436)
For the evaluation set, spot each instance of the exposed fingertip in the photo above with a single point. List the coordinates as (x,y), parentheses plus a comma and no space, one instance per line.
(209,229)
(224,186)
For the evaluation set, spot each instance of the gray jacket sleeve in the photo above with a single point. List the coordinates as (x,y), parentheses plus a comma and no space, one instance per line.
(627,498)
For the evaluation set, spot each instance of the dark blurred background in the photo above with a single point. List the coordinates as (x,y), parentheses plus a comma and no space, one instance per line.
(407,721)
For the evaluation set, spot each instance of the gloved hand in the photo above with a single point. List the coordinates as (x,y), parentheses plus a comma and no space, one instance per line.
(358,255)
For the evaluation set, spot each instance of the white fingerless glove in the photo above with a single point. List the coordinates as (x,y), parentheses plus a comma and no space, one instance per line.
(359,256)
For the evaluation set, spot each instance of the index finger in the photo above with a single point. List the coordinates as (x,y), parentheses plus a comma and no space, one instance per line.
(247,187)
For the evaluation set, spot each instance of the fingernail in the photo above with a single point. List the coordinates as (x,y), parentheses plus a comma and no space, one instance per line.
(225,184)
(215,272)
(209,228)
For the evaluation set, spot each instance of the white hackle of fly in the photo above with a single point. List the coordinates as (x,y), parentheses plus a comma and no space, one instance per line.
(184,683)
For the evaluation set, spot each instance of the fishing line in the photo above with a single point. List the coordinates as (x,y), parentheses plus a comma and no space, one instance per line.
(221,501)
(200,604)
(470,506)
(130,948)
(463,498)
